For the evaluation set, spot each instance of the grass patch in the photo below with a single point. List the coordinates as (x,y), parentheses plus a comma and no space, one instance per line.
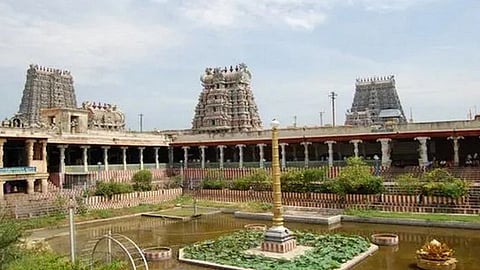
(422,216)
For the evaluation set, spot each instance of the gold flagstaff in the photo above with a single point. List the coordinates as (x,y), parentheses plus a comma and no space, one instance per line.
(278,238)
(277,219)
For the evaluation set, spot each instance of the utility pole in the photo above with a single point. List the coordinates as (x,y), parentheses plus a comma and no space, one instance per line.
(294,121)
(141,122)
(333,95)
(321,118)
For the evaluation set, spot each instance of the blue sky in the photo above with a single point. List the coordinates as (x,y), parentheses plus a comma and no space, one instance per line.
(147,56)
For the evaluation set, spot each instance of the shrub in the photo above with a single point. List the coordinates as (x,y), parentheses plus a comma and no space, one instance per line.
(260,180)
(408,184)
(31,260)
(9,235)
(241,184)
(214,179)
(439,182)
(455,189)
(142,180)
(357,178)
(309,180)
(314,175)
(213,184)
(293,181)
(174,182)
(46,260)
(108,189)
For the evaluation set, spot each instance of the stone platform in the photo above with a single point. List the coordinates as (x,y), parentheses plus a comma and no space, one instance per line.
(294,216)
(298,251)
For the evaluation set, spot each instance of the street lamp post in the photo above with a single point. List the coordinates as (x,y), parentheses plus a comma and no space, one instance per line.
(278,238)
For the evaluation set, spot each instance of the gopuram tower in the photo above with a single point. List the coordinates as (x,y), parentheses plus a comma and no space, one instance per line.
(45,88)
(375,102)
(226,103)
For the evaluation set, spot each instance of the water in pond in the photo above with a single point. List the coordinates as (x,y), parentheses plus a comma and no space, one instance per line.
(150,232)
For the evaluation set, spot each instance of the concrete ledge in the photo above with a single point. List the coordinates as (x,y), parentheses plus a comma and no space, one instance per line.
(157,215)
(413,222)
(360,257)
(294,218)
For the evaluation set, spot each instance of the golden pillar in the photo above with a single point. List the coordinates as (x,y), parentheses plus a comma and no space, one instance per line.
(277,239)
(277,219)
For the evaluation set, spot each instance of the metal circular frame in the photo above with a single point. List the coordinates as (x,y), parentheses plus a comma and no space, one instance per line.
(113,237)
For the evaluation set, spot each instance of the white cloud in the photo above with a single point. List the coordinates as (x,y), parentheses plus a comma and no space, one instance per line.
(300,14)
(87,43)
(389,5)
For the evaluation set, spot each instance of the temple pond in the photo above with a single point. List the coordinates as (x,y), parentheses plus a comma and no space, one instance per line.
(150,232)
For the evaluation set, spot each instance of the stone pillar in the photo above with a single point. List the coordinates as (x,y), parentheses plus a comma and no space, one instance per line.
(124,157)
(294,152)
(85,157)
(44,150)
(2,141)
(44,185)
(240,154)
(316,151)
(1,189)
(170,156)
(422,150)
(30,185)
(202,156)
(44,156)
(157,164)
(220,148)
(330,152)
(284,156)
(305,151)
(385,147)
(262,155)
(355,146)
(140,156)
(105,156)
(29,149)
(456,147)
(61,179)
(185,156)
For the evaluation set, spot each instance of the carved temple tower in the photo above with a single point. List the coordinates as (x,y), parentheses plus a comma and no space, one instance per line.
(45,88)
(226,103)
(375,102)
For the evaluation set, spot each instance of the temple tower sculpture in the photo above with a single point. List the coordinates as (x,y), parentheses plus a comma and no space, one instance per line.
(45,88)
(226,103)
(375,102)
